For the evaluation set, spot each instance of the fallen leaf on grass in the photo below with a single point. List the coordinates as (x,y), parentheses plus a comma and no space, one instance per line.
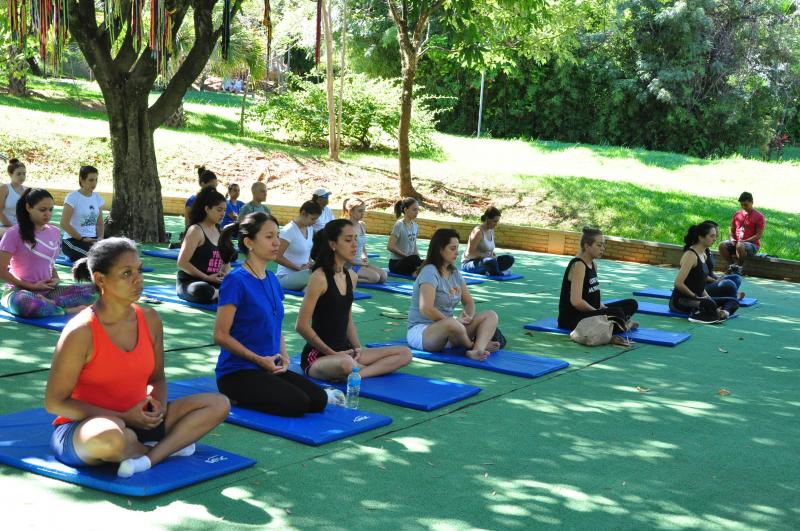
(642,389)
(382,467)
(528,333)
(431,463)
(288,511)
(486,474)
(723,350)
(723,392)
(494,492)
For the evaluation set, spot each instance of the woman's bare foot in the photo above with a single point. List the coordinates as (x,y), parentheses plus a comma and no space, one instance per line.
(633,325)
(620,341)
(492,346)
(741,295)
(723,314)
(479,355)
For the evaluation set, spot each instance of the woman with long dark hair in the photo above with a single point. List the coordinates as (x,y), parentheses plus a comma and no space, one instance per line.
(689,294)
(107,382)
(252,369)
(28,252)
(325,319)
(439,287)
(200,266)
(580,290)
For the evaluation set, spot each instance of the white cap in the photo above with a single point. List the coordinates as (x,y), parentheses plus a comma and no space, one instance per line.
(322,192)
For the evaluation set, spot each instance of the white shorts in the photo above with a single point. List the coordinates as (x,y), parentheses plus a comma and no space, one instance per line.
(414,336)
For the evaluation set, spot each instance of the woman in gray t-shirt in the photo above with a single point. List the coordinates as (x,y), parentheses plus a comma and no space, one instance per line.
(432,325)
(403,254)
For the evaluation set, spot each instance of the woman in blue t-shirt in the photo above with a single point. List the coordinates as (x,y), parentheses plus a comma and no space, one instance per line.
(439,287)
(252,369)
(233,205)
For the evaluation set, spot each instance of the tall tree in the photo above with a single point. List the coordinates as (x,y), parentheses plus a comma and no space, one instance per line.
(126,69)
(476,29)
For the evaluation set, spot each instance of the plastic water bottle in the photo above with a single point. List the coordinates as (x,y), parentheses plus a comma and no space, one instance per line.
(353,388)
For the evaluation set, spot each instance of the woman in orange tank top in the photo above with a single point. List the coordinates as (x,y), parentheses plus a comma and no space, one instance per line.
(107,379)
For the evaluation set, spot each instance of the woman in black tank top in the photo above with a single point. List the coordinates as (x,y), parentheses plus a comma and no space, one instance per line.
(580,290)
(200,266)
(689,294)
(325,320)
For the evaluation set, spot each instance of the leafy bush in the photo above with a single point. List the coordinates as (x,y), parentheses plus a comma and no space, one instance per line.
(370,116)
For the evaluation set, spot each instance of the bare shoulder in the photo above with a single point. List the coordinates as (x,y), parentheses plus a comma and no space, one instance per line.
(353,276)
(78,328)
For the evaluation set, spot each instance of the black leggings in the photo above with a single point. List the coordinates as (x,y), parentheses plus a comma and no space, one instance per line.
(707,306)
(287,394)
(196,291)
(405,266)
(75,249)
(619,312)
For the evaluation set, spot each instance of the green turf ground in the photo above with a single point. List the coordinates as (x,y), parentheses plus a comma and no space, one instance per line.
(623,439)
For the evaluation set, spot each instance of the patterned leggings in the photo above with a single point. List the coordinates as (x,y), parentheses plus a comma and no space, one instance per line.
(24,303)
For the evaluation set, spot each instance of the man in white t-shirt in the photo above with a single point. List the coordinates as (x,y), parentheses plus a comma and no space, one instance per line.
(321,197)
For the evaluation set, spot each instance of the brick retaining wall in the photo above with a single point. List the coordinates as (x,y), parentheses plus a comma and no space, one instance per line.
(528,239)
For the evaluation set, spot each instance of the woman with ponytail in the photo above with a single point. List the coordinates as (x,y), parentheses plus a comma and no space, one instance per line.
(82,216)
(580,290)
(252,369)
(200,266)
(10,194)
(107,383)
(206,179)
(28,252)
(404,256)
(354,209)
(689,294)
(325,319)
(294,254)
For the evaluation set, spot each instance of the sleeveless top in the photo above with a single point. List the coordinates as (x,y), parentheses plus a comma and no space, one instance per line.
(114,379)
(361,240)
(485,246)
(568,315)
(332,315)
(10,208)
(695,280)
(206,258)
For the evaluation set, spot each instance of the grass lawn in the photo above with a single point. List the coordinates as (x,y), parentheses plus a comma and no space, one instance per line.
(628,192)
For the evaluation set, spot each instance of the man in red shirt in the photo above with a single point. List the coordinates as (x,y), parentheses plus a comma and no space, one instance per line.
(747,227)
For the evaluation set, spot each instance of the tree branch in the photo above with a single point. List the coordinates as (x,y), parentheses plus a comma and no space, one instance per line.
(205,40)
(94,44)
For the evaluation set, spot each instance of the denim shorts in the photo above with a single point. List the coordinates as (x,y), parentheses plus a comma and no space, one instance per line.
(62,445)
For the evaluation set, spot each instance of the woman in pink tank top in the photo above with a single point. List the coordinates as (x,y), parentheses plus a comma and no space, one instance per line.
(107,379)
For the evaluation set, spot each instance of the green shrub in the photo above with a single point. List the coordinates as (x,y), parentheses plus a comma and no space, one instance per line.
(370,116)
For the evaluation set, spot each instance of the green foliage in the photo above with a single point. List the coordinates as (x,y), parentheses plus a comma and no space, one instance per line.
(371,114)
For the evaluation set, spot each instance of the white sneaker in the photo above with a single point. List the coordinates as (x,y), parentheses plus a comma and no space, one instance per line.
(335,397)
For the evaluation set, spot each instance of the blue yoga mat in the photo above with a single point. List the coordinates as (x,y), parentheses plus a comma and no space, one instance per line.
(649,336)
(390,286)
(667,293)
(54,322)
(357,296)
(373,255)
(64,261)
(406,390)
(167,294)
(663,310)
(172,254)
(25,444)
(499,278)
(469,281)
(502,361)
(312,428)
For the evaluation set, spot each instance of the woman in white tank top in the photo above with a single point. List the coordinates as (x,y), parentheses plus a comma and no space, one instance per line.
(479,256)
(354,209)
(10,194)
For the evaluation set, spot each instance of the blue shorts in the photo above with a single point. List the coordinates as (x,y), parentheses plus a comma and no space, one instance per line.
(750,248)
(62,445)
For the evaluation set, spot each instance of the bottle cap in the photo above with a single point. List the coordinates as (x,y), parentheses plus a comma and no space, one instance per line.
(355,369)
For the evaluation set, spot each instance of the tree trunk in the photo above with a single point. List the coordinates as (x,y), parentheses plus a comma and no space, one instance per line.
(17,76)
(333,139)
(137,211)
(409,72)
(244,101)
